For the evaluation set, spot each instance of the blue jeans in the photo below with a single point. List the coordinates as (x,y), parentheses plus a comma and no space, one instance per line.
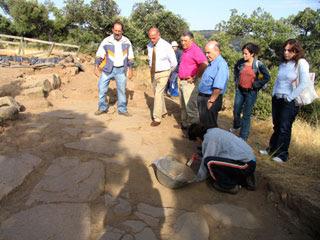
(243,103)
(103,84)
(283,115)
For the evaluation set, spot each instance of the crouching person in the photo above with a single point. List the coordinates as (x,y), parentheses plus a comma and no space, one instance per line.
(228,159)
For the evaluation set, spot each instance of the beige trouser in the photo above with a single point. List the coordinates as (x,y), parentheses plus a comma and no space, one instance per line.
(159,84)
(188,101)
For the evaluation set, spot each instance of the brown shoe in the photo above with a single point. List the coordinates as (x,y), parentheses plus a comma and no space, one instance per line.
(154,124)
(164,115)
(99,112)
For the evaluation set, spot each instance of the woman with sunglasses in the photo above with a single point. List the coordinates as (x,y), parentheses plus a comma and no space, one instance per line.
(250,76)
(284,108)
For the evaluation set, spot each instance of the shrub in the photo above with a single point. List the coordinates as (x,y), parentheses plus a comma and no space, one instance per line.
(311,113)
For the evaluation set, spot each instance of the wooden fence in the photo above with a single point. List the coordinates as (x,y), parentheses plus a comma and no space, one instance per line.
(23,40)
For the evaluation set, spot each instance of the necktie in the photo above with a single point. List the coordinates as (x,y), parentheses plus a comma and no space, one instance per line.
(153,62)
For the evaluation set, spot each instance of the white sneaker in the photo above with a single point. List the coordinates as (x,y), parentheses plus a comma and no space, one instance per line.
(277,159)
(263,152)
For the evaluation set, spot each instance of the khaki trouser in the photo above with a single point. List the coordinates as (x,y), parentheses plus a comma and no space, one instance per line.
(159,84)
(188,101)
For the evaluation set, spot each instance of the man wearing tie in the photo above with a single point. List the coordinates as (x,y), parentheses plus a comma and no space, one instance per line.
(162,60)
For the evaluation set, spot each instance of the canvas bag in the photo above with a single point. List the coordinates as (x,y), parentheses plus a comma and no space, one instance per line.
(309,94)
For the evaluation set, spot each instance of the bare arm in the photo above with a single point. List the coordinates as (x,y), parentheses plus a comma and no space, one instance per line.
(215,94)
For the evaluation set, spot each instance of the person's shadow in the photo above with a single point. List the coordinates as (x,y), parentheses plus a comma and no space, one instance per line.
(137,194)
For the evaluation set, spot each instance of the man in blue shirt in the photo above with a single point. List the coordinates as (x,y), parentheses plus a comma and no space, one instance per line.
(212,86)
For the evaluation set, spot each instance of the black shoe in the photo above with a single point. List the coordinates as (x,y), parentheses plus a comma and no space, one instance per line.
(154,124)
(99,112)
(125,114)
(251,182)
(233,190)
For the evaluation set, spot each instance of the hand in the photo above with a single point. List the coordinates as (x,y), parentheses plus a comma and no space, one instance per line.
(210,104)
(97,71)
(129,73)
(190,79)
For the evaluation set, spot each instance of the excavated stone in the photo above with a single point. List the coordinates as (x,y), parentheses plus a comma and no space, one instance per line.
(151,221)
(135,226)
(48,222)
(231,215)
(123,208)
(69,180)
(146,234)
(191,226)
(14,170)
(112,233)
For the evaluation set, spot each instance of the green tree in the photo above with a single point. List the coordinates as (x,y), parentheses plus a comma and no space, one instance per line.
(5,25)
(101,14)
(29,18)
(151,13)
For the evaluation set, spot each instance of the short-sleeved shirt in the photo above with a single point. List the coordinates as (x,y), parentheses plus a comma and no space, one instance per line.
(216,75)
(190,61)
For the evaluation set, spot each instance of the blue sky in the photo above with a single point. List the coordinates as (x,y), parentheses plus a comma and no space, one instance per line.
(205,14)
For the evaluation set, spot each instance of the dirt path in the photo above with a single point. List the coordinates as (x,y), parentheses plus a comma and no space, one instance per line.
(92,177)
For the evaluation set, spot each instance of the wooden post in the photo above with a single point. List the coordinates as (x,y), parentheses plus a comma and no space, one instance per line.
(51,49)
(20,46)
(23,45)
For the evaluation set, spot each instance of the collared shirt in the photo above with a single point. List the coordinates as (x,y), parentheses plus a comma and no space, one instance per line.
(216,75)
(287,74)
(118,56)
(165,56)
(190,61)
(223,144)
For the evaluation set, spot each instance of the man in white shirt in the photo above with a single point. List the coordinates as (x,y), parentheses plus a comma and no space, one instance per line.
(114,59)
(162,60)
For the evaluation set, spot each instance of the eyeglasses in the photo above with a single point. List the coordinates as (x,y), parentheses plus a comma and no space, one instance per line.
(290,50)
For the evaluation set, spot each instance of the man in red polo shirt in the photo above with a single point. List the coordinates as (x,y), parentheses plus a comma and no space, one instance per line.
(193,63)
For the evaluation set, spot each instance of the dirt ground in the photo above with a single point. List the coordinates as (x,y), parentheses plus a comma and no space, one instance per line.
(40,130)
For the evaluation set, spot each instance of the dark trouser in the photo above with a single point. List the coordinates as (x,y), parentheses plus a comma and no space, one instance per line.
(283,116)
(208,117)
(228,173)
(243,103)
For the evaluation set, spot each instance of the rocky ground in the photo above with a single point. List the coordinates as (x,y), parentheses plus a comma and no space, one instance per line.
(68,174)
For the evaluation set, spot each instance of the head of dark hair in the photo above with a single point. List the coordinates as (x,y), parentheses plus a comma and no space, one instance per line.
(188,34)
(252,48)
(119,23)
(296,47)
(196,131)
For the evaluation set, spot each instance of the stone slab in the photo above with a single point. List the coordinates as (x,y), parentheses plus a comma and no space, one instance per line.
(191,226)
(13,171)
(49,222)
(231,215)
(70,180)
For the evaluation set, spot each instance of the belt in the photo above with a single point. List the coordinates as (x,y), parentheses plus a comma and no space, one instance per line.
(245,89)
(162,71)
(204,94)
(118,67)
(280,96)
